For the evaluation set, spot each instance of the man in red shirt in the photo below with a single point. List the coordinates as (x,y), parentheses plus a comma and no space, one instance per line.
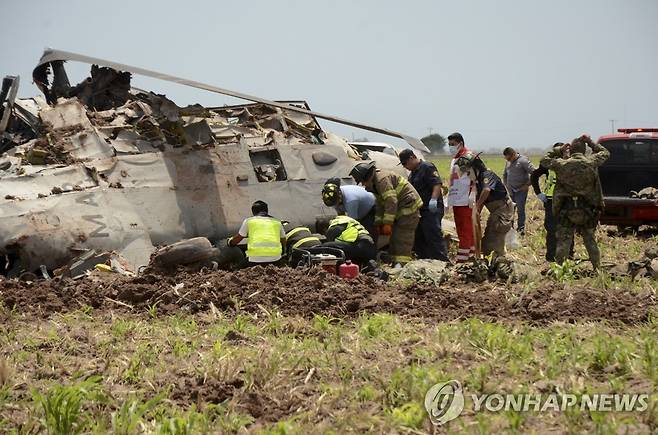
(459,198)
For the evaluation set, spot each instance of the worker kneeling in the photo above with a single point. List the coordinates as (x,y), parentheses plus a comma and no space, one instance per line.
(348,235)
(264,234)
(300,238)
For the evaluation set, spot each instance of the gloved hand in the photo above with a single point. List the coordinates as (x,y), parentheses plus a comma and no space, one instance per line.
(386,229)
(542,197)
(433,205)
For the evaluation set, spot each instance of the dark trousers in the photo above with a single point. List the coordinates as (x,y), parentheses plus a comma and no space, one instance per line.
(359,252)
(549,226)
(429,241)
(368,222)
(520,198)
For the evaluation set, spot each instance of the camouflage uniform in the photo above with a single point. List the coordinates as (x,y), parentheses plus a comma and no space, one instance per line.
(501,212)
(577,198)
(398,204)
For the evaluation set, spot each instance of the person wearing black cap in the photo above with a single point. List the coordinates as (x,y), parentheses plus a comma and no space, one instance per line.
(428,241)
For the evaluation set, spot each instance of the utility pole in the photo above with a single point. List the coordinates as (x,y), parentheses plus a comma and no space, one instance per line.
(430,130)
(612,125)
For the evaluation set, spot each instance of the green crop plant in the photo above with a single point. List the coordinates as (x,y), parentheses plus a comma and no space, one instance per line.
(62,405)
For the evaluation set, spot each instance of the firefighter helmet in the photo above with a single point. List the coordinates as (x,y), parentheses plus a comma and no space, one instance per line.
(362,171)
(330,194)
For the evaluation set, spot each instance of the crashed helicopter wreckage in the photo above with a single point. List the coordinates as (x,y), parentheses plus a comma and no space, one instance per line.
(103,166)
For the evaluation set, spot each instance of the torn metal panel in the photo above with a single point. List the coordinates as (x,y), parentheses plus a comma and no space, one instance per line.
(85,262)
(28,111)
(52,230)
(198,133)
(69,114)
(36,181)
(69,122)
(88,145)
(49,56)
(126,142)
(7,97)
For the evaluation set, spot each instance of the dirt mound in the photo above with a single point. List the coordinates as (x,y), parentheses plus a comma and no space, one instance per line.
(309,292)
(201,390)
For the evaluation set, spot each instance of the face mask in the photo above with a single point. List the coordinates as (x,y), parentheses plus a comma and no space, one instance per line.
(452,149)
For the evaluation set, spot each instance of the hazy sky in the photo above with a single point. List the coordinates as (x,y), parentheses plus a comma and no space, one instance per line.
(519,72)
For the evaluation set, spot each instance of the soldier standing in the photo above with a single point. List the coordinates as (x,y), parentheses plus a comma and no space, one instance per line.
(396,208)
(491,193)
(577,198)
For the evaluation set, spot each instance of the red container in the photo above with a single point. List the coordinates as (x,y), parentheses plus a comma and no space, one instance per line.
(348,270)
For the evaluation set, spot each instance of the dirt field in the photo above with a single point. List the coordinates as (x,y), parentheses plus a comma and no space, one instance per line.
(296,351)
(308,293)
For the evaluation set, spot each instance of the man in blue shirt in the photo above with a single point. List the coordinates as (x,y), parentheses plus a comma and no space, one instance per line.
(429,241)
(351,200)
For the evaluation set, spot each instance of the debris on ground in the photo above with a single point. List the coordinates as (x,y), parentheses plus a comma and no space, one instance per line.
(489,269)
(647,266)
(196,250)
(646,193)
(424,272)
(83,264)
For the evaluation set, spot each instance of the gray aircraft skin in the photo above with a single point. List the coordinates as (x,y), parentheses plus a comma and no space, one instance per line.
(107,167)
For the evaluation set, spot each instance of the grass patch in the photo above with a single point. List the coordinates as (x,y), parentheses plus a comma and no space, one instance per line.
(291,375)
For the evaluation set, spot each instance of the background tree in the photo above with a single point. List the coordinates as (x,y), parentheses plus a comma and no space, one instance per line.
(435,142)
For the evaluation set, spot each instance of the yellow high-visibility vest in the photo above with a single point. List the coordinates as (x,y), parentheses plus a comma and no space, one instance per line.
(352,232)
(264,237)
(299,236)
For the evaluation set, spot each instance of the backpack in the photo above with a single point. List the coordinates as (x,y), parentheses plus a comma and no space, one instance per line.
(577,178)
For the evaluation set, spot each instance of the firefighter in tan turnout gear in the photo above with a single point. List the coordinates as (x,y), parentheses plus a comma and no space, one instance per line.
(396,208)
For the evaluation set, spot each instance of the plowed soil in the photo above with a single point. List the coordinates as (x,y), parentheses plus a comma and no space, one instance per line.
(309,292)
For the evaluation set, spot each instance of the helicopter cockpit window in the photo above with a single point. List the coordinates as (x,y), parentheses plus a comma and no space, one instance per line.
(268,166)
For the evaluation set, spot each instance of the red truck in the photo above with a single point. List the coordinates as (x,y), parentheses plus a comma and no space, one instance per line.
(632,166)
